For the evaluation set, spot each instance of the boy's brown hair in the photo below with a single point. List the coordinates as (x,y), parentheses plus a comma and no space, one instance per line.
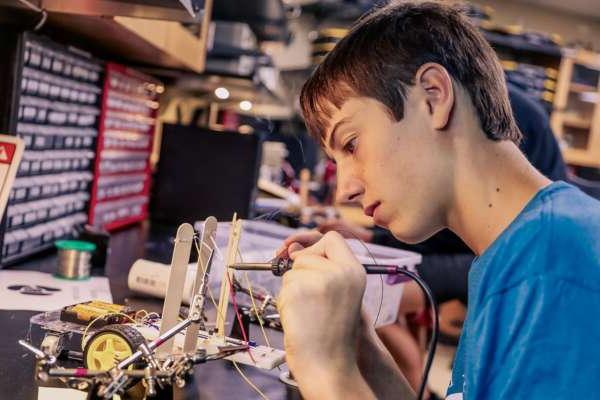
(383,51)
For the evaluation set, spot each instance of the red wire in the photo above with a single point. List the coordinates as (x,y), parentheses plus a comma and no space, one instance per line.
(239,317)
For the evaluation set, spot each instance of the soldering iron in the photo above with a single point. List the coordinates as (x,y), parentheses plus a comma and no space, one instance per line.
(279,266)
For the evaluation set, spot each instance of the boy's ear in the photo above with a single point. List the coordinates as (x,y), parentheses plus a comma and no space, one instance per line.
(436,84)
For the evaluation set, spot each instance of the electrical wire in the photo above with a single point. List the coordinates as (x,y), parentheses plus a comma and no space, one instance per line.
(212,299)
(434,336)
(33,7)
(427,291)
(235,307)
(260,321)
(249,382)
(239,317)
(432,344)
(85,331)
(374,262)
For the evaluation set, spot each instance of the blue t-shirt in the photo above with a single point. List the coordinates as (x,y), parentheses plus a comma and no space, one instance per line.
(532,329)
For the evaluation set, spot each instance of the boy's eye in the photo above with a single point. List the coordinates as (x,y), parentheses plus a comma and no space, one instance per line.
(350,146)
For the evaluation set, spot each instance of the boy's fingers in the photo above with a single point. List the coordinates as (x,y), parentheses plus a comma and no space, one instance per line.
(304,238)
(293,248)
(331,246)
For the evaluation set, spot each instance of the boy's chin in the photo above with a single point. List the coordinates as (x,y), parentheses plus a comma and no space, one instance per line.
(410,234)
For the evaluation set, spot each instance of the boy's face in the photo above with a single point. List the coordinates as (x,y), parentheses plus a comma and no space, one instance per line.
(398,171)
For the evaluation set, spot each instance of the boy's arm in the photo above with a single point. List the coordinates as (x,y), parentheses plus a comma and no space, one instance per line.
(319,304)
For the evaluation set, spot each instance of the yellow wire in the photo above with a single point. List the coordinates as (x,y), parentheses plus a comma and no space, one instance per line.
(148,315)
(249,382)
(212,299)
(85,332)
(260,322)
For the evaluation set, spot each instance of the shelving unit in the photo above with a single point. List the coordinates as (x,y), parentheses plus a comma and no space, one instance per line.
(56,105)
(148,33)
(121,183)
(69,175)
(530,60)
(576,116)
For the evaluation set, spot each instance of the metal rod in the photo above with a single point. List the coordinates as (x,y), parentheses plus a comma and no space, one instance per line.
(39,354)
(88,373)
(280,266)
(156,342)
(252,266)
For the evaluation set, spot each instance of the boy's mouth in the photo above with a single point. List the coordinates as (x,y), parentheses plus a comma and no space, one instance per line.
(371,208)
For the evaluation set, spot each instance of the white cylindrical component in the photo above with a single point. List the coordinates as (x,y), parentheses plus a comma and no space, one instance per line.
(151,278)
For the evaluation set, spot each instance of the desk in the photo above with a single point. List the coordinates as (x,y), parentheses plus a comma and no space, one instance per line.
(215,380)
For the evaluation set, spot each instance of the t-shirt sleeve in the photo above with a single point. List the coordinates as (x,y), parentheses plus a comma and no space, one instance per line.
(528,351)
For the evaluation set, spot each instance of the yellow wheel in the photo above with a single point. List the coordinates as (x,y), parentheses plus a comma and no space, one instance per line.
(111,345)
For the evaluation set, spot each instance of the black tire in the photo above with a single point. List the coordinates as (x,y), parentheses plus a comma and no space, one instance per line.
(129,334)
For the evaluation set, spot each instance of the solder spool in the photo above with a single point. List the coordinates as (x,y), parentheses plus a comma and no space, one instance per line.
(74,258)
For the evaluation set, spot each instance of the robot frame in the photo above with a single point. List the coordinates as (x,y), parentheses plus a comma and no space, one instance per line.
(130,358)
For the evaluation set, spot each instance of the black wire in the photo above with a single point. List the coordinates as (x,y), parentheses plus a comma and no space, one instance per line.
(380,302)
(434,336)
(355,236)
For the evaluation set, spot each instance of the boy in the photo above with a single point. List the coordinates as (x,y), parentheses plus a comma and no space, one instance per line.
(412,106)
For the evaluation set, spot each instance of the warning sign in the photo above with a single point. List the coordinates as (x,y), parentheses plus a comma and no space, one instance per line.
(7,151)
(11,151)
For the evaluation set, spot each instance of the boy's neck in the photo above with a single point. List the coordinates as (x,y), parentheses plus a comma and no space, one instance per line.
(493,183)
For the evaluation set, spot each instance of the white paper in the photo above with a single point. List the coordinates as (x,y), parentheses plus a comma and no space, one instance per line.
(52,393)
(55,293)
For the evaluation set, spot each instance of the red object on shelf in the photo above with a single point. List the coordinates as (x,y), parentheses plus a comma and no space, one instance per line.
(124,144)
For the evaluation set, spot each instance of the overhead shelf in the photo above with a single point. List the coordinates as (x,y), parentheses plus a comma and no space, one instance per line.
(575,121)
(127,37)
(582,88)
(188,11)
(517,43)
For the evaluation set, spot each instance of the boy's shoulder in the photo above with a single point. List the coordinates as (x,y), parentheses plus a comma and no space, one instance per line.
(556,236)
(569,227)
(572,215)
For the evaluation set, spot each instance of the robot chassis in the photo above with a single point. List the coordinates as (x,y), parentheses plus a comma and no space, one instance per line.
(156,363)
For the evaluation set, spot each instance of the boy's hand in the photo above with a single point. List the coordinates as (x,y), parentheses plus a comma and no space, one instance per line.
(299,241)
(346,229)
(319,305)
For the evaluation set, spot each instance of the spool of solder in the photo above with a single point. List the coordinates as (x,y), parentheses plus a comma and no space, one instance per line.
(74,258)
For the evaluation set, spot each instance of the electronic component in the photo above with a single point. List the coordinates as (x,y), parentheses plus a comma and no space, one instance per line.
(111,344)
(84,313)
(127,350)
(280,265)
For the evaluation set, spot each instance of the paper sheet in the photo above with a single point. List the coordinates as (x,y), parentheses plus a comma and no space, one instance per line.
(52,393)
(38,291)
